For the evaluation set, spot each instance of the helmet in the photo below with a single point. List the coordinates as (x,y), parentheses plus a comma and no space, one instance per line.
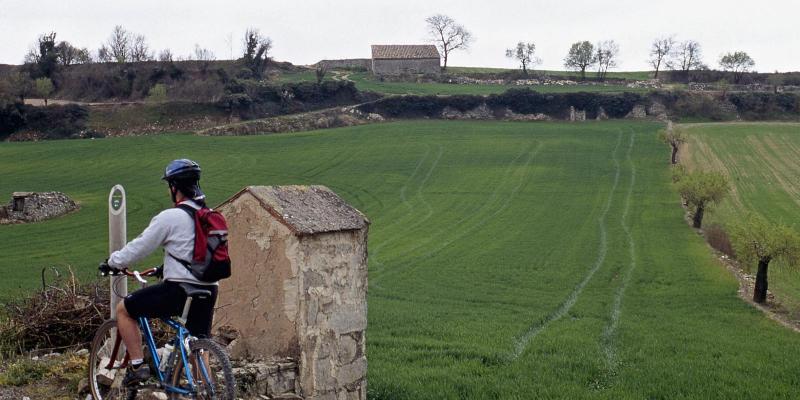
(183,169)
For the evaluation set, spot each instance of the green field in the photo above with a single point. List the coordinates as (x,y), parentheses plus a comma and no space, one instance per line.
(507,260)
(365,81)
(633,75)
(762,161)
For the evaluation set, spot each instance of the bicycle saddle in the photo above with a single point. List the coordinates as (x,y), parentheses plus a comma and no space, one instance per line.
(192,291)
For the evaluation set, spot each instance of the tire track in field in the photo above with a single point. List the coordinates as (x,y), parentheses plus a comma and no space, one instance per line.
(375,252)
(609,333)
(536,328)
(377,275)
(463,232)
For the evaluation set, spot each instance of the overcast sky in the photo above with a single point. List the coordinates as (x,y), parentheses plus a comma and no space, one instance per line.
(305,31)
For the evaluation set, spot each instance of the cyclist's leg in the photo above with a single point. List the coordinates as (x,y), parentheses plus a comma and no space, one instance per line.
(129,330)
(201,314)
(163,299)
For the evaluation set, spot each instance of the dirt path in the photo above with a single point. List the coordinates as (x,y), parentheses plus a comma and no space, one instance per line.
(56,102)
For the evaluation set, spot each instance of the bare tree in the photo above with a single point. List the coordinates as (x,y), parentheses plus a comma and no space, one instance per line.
(688,56)
(118,46)
(165,55)
(448,36)
(737,62)
(660,52)
(203,54)
(525,53)
(606,56)
(139,50)
(580,56)
(256,51)
(104,54)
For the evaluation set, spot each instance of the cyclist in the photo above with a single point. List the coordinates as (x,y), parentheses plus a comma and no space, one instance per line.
(174,229)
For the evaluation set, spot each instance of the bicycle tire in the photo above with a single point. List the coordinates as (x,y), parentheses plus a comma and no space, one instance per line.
(220,368)
(106,384)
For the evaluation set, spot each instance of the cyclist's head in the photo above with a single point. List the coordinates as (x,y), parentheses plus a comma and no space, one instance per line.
(184,176)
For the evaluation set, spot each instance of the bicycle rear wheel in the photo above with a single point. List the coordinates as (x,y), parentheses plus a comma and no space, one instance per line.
(210,369)
(105,356)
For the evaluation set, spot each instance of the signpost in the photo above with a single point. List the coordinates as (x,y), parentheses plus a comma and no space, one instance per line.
(117,237)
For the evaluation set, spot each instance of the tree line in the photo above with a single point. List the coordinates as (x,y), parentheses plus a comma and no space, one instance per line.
(754,241)
(666,53)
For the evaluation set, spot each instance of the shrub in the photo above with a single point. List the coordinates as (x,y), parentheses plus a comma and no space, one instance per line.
(56,122)
(12,117)
(701,106)
(157,93)
(719,240)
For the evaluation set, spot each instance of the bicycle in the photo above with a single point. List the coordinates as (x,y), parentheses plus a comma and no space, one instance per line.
(193,369)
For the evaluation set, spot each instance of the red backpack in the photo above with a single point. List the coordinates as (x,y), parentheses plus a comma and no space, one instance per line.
(211,261)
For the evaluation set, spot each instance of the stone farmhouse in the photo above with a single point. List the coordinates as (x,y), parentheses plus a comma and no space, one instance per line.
(399,59)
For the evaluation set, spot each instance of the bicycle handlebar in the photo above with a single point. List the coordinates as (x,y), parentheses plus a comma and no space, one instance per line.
(125,271)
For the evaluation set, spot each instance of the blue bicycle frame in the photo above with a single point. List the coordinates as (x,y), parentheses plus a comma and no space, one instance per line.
(182,334)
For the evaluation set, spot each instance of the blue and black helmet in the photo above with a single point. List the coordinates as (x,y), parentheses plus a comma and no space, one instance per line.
(183,170)
(184,175)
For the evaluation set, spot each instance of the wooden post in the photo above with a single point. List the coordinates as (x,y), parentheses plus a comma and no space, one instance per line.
(117,237)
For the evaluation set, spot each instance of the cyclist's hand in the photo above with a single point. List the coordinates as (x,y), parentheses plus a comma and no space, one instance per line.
(104,268)
(159,272)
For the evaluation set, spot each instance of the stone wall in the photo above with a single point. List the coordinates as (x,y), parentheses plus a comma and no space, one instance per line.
(350,63)
(34,207)
(401,66)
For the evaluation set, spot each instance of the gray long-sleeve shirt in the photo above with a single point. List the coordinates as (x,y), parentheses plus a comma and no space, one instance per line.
(174,230)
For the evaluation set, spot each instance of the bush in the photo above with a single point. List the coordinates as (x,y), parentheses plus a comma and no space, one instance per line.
(56,122)
(719,240)
(765,105)
(12,117)
(522,101)
(701,106)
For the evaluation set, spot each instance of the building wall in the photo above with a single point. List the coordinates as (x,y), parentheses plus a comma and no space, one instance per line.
(333,361)
(399,66)
(260,298)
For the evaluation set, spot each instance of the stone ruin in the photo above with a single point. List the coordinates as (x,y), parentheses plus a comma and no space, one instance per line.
(576,115)
(34,207)
(297,299)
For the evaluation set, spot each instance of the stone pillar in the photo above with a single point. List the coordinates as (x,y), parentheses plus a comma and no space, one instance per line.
(299,286)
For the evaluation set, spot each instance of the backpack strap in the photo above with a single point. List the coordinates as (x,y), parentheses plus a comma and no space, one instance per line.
(192,212)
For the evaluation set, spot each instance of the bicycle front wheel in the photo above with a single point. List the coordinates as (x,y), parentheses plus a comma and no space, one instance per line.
(105,357)
(210,369)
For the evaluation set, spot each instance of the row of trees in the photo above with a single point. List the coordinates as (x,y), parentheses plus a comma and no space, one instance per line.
(666,53)
(123,46)
(755,240)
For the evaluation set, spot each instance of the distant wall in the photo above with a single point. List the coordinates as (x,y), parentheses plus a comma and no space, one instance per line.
(400,66)
(350,63)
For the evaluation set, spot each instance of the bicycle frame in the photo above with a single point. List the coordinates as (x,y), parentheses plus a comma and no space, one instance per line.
(181,334)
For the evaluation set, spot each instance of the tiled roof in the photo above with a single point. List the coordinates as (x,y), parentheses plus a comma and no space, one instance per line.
(306,210)
(395,51)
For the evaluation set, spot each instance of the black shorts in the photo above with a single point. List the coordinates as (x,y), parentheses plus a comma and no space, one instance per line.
(166,299)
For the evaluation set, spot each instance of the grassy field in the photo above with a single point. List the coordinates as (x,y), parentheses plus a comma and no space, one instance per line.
(365,81)
(762,161)
(507,260)
(633,75)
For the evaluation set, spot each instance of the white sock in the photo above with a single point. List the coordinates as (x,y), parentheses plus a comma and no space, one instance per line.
(137,362)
